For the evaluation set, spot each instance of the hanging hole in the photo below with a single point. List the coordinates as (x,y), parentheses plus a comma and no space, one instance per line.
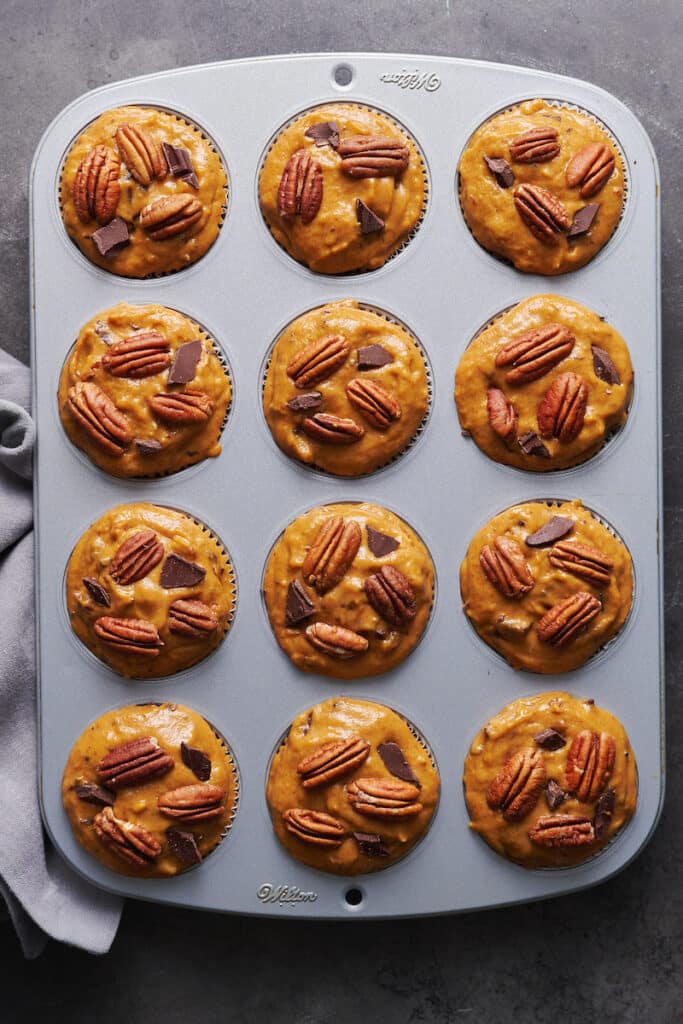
(353,897)
(343,76)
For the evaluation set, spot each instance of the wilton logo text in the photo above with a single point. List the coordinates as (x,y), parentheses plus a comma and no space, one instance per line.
(412,80)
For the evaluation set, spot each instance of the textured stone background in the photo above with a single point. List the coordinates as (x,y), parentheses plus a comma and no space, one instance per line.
(612,954)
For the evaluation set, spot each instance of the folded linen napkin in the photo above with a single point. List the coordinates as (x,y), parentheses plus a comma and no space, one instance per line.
(43,895)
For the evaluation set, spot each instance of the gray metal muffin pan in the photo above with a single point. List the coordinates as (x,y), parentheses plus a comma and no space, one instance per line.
(444,286)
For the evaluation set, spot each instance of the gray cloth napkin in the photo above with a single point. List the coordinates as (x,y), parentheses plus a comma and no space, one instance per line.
(43,895)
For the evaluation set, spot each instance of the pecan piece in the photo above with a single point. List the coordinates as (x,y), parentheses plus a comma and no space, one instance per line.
(135,636)
(590,168)
(374,402)
(535,146)
(193,803)
(565,620)
(506,567)
(142,355)
(192,618)
(182,407)
(373,156)
(315,827)
(318,360)
(128,841)
(337,641)
(96,189)
(534,353)
(517,787)
(391,595)
(94,410)
(542,212)
(331,760)
(328,429)
(557,830)
(502,415)
(301,188)
(170,216)
(134,763)
(562,410)
(582,560)
(384,798)
(330,555)
(141,153)
(589,764)
(136,557)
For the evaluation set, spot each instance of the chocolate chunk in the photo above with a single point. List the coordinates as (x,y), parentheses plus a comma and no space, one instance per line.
(197,761)
(603,813)
(93,794)
(299,606)
(371,357)
(380,544)
(185,362)
(371,844)
(147,445)
(103,332)
(369,221)
(554,794)
(583,219)
(395,762)
(113,235)
(531,444)
(552,530)
(604,367)
(325,133)
(180,164)
(302,403)
(183,845)
(501,171)
(178,572)
(99,594)
(550,739)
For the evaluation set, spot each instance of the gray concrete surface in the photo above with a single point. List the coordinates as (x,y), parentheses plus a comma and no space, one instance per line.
(609,955)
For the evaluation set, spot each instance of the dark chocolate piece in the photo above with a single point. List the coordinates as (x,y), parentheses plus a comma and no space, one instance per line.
(395,762)
(93,794)
(197,761)
(183,845)
(180,164)
(147,445)
(583,219)
(555,528)
(325,133)
(184,365)
(369,221)
(99,594)
(554,794)
(112,236)
(178,572)
(604,367)
(371,844)
(302,403)
(531,444)
(550,739)
(603,813)
(299,605)
(380,544)
(501,170)
(372,357)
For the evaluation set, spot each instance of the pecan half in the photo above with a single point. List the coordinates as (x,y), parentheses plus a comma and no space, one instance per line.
(565,620)
(582,560)
(318,360)
(135,557)
(182,407)
(374,401)
(590,168)
(502,415)
(557,830)
(134,763)
(589,764)
(506,567)
(193,803)
(562,410)
(130,842)
(337,641)
(542,212)
(142,355)
(384,798)
(517,787)
(535,146)
(328,429)
(135,636)
(94,410)
(373,156)
(141,153)
(391,595)
(330,555)
(532,354)
(301,188)
(331,760)
(96,189)
(192,618)
(170,216)
(315,827)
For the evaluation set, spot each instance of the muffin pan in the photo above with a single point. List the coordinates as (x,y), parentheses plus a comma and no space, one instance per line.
(445,286)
